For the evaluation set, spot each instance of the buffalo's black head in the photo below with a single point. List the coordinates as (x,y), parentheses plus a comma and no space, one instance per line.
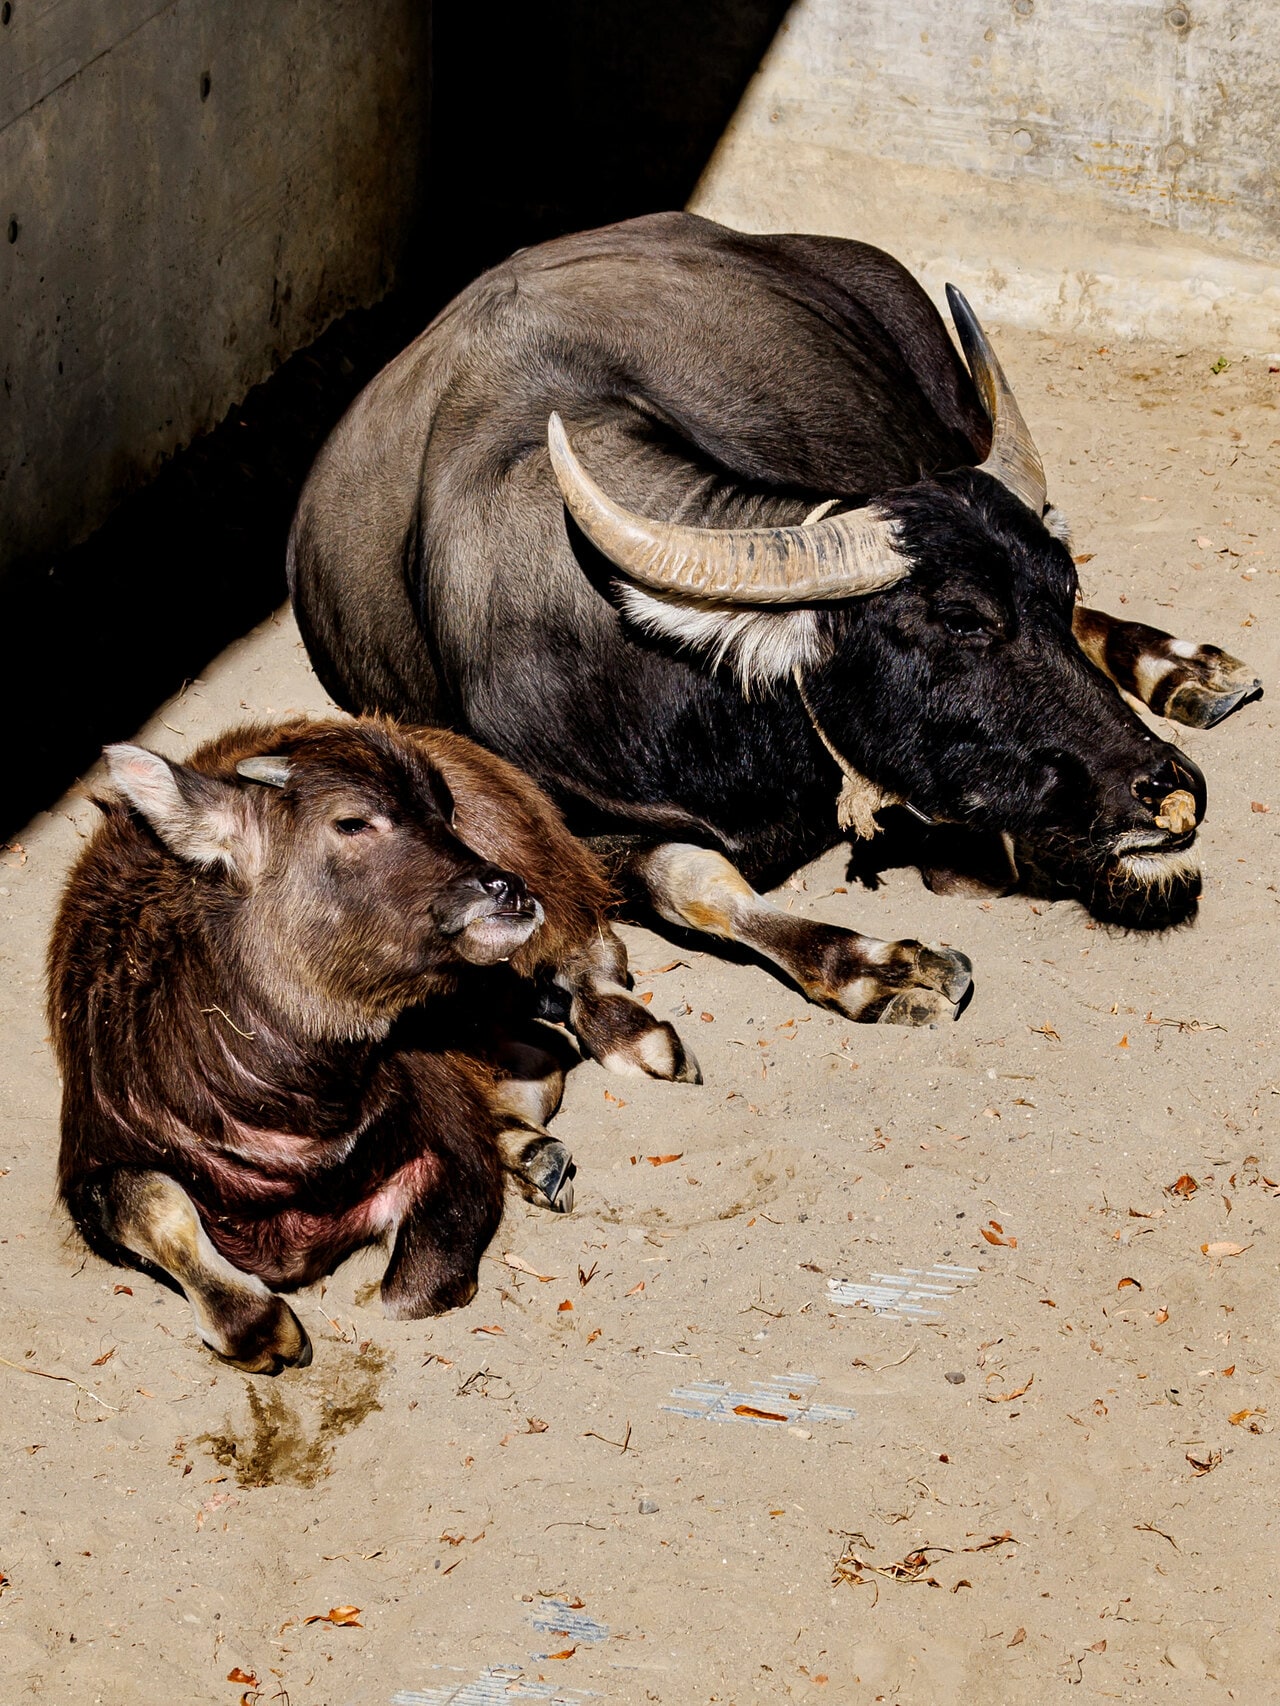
(962,690)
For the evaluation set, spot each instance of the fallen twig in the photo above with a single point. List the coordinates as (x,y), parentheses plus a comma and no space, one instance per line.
(25,1368)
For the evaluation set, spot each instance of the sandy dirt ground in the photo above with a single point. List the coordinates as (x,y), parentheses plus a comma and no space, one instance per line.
(630,1470)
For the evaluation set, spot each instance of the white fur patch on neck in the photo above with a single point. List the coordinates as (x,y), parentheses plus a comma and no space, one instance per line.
(1057,524)
(760,646)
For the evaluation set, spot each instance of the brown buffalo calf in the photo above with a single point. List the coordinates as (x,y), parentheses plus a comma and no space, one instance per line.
(284,1028)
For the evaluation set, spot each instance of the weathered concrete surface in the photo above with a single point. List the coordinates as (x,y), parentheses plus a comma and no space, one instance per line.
(1106,166)
(191,191)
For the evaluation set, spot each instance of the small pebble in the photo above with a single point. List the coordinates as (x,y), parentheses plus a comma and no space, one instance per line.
(956,1378)
(648,1507)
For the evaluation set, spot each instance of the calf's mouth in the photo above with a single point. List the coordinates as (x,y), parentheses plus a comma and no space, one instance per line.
(487,915)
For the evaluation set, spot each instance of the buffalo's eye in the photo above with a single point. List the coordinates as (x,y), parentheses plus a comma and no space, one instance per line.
(964,624)
(351,825)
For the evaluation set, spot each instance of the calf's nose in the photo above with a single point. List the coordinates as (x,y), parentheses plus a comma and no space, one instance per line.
(504,888)
(1172,789)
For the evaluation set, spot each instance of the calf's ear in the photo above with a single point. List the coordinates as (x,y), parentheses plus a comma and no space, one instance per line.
(197,817)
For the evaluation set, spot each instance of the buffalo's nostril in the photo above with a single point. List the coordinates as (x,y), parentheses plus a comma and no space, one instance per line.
(502,887)
(1173,791)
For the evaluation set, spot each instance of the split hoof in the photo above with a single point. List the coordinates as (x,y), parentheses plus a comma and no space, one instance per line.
(545,1172)
(916,1007)
(1213,685)
(276,1341)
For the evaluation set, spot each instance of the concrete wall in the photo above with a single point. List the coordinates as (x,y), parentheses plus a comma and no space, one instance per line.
(1108,166)
(191,190)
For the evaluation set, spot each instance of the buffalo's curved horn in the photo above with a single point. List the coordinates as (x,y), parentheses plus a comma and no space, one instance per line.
(842,556)
(275,772)
(1014,459)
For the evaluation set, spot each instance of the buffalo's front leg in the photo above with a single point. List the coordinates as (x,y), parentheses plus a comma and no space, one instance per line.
(894,983)
(1195,685)
(241,1320)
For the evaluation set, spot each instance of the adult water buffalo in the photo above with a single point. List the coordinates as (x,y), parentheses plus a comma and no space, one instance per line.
(687,523)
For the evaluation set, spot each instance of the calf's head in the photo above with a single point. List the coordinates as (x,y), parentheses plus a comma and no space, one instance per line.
(340,884)
(933,634)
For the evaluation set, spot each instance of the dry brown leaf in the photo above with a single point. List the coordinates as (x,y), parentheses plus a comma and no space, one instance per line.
(523,1267)
(616,1100)
(964,1582)
(662,1160)
(536,1425)
(566,1654)
(341,1616)
(994,1234)
(638,1287)
(122,1290)
(1045,1031)
(105,1357)
(1008,1397)
(1098,1647)
(1128,1283)
(1215,1252)
(238,1675)
(1162,1315)
(1124,1041)
(1204,1465)
(495,1329)
(564,1306)
(1183,1186)
(1240,1417)
(760,1415)
(1257,806)
(1019,1636)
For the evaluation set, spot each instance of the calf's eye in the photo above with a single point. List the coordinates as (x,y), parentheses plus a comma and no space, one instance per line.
(351,825)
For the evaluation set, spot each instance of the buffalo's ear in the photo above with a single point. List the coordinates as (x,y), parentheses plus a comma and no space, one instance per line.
(197,817)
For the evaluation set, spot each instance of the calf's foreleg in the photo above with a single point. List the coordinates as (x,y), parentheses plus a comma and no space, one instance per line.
(887,983)
(242,1320)
(1189,683)
(611,1024)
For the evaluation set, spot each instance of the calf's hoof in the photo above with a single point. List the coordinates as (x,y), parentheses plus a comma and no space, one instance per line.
(1210,685)
(545,1174)
(272,1342)
(543,1169)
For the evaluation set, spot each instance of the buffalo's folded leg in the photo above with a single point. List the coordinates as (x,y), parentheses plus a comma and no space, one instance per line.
(1195,685)
(529,1085)
(612,1025)
(529,1081)
(238,1317)
(435,1259)
(896,983)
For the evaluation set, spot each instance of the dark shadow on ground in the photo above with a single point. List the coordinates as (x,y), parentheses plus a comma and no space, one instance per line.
(545,119)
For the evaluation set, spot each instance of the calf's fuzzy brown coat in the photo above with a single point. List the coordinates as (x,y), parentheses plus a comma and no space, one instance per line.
(289,985)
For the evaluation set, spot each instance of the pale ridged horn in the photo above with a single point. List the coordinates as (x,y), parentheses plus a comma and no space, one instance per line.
(842,556)
(1014,459)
